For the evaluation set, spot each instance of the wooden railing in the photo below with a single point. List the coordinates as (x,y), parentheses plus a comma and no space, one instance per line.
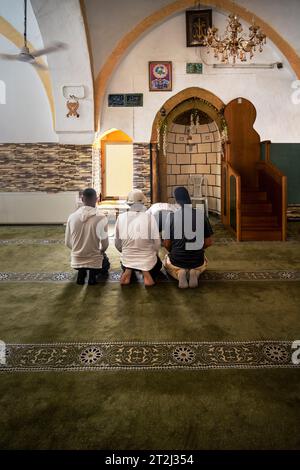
(276,186)
(231,198)
(274,182)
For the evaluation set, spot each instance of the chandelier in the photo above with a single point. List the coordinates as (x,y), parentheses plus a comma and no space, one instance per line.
(234,45)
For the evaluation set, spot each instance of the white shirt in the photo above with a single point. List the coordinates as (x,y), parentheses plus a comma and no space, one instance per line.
(85,236)
(137,238)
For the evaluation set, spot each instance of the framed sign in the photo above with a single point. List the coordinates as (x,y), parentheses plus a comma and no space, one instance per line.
(197,24)
(125,100)
(116,100)
(134,99)
(160,76)
(192,67)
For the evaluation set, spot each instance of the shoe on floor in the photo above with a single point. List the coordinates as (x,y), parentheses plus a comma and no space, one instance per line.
(81,276)
(183,282)
(193,279)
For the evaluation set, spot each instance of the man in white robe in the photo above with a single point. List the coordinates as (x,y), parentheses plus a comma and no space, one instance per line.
(137,239)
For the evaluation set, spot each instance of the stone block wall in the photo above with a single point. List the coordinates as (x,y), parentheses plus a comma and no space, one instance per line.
(199,156)
(142,168)
(45,167)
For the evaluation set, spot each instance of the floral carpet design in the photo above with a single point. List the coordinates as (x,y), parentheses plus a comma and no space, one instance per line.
(147,355)
(114,276)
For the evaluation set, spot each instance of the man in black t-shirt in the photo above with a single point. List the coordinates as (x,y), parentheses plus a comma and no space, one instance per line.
(185,242)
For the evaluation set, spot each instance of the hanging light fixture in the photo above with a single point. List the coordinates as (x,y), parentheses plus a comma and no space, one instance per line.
(234,45)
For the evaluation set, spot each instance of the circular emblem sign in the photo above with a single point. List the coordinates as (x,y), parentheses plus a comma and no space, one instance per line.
(160,71)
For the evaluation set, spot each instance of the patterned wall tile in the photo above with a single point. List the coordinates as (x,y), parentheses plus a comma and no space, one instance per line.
(45,167)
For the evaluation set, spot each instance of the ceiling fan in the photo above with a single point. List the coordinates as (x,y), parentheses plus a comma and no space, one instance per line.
(25,55)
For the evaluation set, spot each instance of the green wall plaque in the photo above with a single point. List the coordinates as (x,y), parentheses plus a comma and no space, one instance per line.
(193,67)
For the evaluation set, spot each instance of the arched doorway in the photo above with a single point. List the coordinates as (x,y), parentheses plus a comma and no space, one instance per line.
(178,154)
(116,164)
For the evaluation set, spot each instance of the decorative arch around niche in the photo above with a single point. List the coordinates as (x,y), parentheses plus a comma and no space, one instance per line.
(185,100)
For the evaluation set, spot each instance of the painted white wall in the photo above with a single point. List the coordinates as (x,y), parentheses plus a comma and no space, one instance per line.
(110,21)
(13,11)
(25,116)
(47,22)
(62,21)
(283,16)
(269,90)
(37,207)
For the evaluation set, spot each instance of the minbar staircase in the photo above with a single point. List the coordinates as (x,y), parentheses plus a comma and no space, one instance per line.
(258,220)
(253,189)
(258,213)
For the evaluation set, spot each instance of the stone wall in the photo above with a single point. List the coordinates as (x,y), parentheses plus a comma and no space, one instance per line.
(45,167)
(142,168)
(199,156)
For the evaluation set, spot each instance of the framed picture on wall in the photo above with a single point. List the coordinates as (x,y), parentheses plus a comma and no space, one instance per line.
(160,76)
(197,24)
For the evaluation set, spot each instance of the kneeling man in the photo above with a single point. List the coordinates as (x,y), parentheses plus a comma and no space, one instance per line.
(87,237)
(137,238)
(186,259)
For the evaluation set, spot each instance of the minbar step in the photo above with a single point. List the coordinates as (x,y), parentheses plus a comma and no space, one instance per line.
(253,196)
(261,235)
(256,207)
(262,219)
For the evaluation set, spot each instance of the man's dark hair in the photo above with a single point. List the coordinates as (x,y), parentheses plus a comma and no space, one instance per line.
(182,196)
(89,193)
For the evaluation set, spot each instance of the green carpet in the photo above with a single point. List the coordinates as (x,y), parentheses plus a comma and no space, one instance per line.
(216,311)
(171,410)
(256,256)
(214,409)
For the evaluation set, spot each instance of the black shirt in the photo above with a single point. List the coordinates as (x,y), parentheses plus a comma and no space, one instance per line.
(182,225)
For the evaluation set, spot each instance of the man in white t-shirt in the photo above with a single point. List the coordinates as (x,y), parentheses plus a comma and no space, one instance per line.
(137,238)
(87,237)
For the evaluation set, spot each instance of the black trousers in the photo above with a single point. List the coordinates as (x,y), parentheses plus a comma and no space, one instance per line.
(154,271)
(103,270)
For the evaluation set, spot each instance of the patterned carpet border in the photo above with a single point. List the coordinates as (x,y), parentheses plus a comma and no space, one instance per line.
(114,276)
(58,241)
(31,241)
(148,356)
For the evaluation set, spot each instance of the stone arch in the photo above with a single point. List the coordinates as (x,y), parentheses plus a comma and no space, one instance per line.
(211,104)
(164,13)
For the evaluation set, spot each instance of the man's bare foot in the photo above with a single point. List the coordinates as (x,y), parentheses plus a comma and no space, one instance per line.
(148,281)
(126,277)
(183,283)
(194,278)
